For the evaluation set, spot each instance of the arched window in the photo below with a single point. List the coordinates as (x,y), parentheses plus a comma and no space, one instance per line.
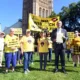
(43,12)
(46,13)
(40,11)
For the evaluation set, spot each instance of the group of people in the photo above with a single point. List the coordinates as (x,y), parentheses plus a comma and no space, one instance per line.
(14,49)
(45,45)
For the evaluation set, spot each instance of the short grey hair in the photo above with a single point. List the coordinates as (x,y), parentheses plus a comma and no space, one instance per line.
(11,29)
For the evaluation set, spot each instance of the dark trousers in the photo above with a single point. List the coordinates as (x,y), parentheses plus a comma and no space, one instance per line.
(43,59)
(68,53)
(18,55)
(59,51)
(50,54)
(31,59)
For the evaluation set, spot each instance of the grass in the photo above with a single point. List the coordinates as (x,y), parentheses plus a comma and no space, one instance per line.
(73,73)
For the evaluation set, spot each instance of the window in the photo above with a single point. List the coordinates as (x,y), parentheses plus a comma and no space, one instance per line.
(40,11)
(43,12)
(46,13)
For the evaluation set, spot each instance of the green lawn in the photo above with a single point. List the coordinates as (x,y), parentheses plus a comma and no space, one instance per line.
(35,74)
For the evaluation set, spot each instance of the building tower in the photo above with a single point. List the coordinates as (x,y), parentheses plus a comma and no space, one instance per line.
(41,8)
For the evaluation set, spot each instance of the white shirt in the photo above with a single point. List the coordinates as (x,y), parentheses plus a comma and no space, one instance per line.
(59,37)
(1,44)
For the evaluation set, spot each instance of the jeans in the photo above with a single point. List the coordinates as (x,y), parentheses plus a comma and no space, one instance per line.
(68,53)
(10,58)
(43,55)
(21,56)
(27,56)
(18,55)
(50,54)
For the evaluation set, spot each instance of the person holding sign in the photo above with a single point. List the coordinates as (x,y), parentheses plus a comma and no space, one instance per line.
(59,36)
(43,49)
(27,45)
(10,50)
(1,47)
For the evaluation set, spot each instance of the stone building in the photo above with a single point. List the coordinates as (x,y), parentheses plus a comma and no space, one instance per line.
(41,8)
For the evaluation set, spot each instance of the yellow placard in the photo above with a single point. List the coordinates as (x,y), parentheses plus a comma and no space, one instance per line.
(17,30)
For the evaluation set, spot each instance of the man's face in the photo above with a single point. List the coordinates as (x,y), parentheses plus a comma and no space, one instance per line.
(59,24)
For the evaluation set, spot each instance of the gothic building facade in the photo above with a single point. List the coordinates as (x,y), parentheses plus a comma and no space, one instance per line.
(41,8)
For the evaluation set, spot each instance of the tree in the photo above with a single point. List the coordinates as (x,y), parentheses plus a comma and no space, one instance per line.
(53,14)
(71,16)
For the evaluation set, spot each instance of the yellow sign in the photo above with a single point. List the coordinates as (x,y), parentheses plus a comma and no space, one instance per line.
(17,30)
(37,23)
(71,35)
(13,43)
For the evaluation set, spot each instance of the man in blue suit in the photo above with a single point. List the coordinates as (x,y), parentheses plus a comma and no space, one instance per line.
(59,36)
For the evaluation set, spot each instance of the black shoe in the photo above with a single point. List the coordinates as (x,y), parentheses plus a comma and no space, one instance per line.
(44,69)
(75,65)
(56,70)
(63,70)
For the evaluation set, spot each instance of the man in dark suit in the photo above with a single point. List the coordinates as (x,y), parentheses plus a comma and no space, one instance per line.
(59,36)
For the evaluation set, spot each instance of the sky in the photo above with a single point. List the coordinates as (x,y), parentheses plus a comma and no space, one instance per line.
(58,4)
(11,10)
